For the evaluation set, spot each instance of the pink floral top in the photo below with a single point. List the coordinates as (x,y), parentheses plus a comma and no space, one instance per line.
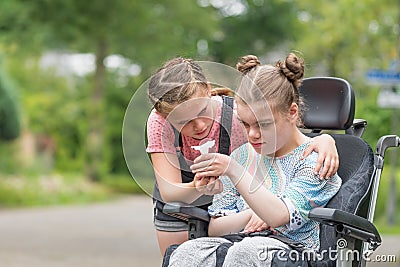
(161,135)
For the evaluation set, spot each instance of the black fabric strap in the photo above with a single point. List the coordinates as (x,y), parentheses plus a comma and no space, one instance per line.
(187,175)
(168,253)
(221,252)
(225,125)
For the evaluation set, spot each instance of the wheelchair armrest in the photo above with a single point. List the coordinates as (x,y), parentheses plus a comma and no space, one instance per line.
(357,128)
(196,217)
(185,211)
(347,224)
(385,142)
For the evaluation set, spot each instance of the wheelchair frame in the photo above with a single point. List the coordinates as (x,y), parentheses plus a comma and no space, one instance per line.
(348,226)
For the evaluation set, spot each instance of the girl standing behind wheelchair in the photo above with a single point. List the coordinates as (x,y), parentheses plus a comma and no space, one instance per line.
(266,184)
(184,109)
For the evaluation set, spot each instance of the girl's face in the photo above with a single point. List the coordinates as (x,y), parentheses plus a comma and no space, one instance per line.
(194,117)
(270,133)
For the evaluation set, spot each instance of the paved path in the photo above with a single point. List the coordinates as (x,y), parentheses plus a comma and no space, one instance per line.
(119,233)
(390,248)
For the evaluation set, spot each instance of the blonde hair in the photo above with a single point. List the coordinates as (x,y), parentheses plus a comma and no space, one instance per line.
(174,83)
(276,84)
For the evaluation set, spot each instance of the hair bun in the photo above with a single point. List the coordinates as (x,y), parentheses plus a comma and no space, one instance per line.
(292,68)
(247,63)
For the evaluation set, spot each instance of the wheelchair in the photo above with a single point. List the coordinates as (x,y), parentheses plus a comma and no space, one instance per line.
(346,222)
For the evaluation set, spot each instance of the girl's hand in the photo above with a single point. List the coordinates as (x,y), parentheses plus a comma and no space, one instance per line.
(212,164)
(328,157)
(208,185)
(255,224)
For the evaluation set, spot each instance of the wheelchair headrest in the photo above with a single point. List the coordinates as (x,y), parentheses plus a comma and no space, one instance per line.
(329,103)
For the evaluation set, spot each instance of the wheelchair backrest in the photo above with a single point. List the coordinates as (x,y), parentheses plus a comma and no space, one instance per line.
(330,105)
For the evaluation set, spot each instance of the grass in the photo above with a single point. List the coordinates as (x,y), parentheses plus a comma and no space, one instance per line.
(380,213)
(385,229)
(57,189)
(16,191)
(127,185)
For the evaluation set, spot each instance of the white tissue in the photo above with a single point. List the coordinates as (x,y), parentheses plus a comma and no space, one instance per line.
(204,148)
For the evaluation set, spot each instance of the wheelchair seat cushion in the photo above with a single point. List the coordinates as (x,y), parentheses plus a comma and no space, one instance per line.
(356,170)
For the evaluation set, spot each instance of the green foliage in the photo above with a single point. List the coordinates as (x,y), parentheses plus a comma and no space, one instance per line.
(117,99)
(380,212)
(16,191)
(54,108)
(122,184)
(263,26)
(344,38)
(125,27)
(9,110)
(9,161)
(379,120)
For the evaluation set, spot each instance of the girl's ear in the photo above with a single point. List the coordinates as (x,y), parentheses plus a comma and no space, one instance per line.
(294,112)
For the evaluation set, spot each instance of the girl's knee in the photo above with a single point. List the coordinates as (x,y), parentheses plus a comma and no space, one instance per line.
(242,250)
(198,247)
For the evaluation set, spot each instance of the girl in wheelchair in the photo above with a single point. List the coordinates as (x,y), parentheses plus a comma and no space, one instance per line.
(184,107)
(266,184)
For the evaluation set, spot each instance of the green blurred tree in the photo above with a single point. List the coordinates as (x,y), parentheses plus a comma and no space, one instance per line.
(54,113)
(9,109)
(253,27)
(147,32)
(345,38)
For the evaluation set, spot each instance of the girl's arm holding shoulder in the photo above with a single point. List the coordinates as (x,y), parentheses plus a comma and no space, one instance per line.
(328,157)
